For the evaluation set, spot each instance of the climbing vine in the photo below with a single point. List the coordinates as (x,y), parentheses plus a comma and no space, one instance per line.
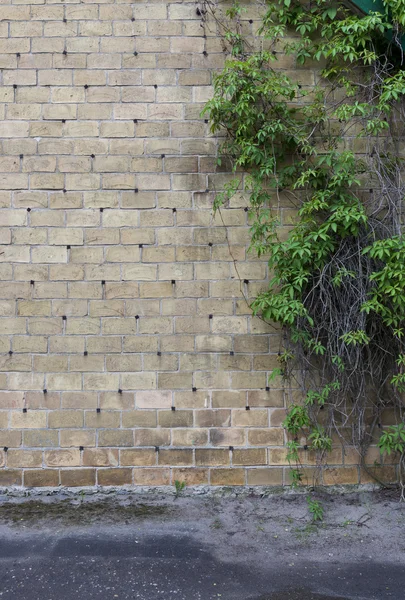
(325,139)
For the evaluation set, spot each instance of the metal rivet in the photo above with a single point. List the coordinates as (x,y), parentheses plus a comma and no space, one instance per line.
(32,282)
(140,245)
(24,410)
(10,352)
(156,448)
(85,353)
(174,210)
(64,317)
(159,353)
(247,407)
(93,156)
(5,448)
(68,247)
(98,410)
(119,390)
(81,448)
(231,448)
(232,353)
(103,282)
(173,408)
(45,391)
(246,281)
(267,388)
(136,317)
(162,156)
(136,190)
(135,120)
(21,155)
(173,281)
(28,210)
(205,53)
(135,53)
(86,86)
(210,316)
(15,86)
(194,389)
(210,244)
(155,86)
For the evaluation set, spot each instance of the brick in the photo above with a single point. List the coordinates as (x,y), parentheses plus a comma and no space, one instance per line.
(11,439)
(213,418)
(79,400)
(62,458)
(100,457)
(265,476)
(339,476)
(251,418)
(250,456)
(69,419)
(24,458)
(153,476)
(175,457)
(78,477)
(227,437)
(212,457)
(40,438)
(41,478)
(114,437)
(228,399)
(152,437)
(116,401)
(227,476)
(29,420)
(11,400)
(109,419)
(190,437)
(114,476)
(138,457)
(11,477)
(266,437)
(77,437)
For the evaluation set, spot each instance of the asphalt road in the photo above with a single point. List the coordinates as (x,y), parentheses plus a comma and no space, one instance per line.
(164,556)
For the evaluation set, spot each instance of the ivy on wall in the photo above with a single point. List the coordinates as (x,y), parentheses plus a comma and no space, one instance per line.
(335,150)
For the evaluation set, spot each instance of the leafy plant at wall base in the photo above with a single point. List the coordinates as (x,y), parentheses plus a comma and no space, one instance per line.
(179,487)
(316,509)
(324,144)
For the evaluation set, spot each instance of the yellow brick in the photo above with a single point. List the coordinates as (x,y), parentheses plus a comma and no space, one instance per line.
(100,457)
(77,438)
(59,419)
(62,458)
(32,419)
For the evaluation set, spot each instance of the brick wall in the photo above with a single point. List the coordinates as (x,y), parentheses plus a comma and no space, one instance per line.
(128,352)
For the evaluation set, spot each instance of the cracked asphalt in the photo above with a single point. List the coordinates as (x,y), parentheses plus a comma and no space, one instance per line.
(202,547)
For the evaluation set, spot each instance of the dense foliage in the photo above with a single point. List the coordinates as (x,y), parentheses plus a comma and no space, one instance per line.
(331,149)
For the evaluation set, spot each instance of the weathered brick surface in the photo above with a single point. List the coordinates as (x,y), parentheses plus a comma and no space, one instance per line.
(128,353)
